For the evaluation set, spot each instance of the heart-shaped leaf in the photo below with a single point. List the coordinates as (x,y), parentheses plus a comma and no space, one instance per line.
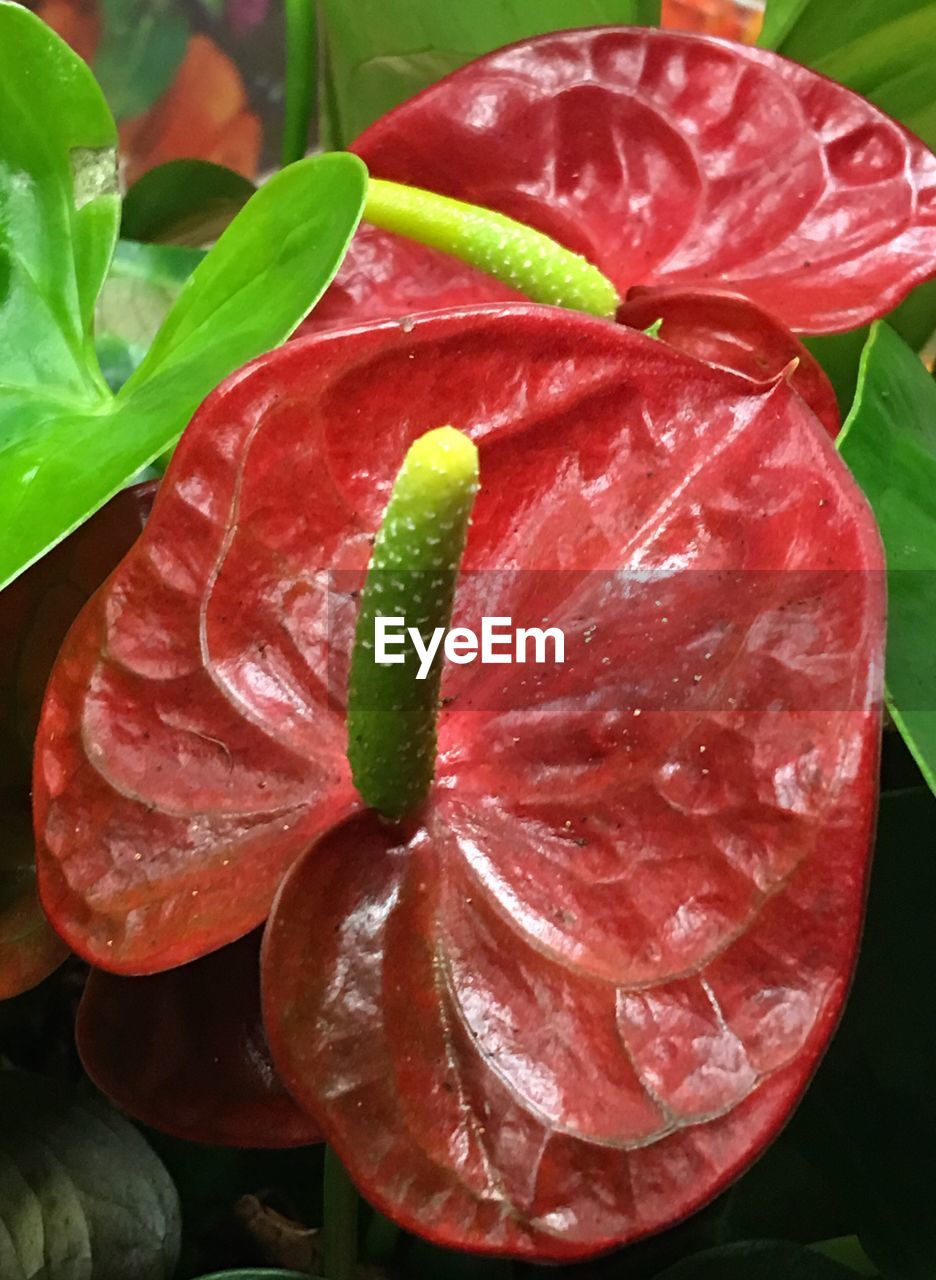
(67,444)
(185,1052)
(758,1260)
(889,441)
(84,1194)
(755,175)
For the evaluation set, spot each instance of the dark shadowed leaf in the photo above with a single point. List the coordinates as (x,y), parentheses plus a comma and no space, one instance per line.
(81,1193)
(758,1260)
(187,202)
(875,1085)
(184,1052)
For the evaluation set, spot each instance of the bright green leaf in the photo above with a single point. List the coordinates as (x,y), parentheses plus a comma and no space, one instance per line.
(383,51)
(261,278)
(889,441)
(758,1260)
(59,212)
(64,458)
(184,202)
(142,46)
(81,1193)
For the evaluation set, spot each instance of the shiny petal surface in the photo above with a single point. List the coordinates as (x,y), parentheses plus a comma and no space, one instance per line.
(587,984)
(583,989)
(192,741)
(728,331)
(666,159)
(185,1052)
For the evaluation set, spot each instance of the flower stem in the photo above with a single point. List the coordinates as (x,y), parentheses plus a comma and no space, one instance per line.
(518,256)
(300,78)
(339,1221)
(393,697)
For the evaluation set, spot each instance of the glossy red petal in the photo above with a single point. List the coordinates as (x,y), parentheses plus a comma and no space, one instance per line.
(728,331)
(192,743)
(666,159)
(585,987)
(185,1052)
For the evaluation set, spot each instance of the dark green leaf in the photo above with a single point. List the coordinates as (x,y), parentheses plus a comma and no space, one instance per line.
(889,441)
(142,46)
(780,17)
(892,64)
(64,457)
(758,1260)
(819,29)
(869,1118)
(184,202)
(382,51)
(81,1194)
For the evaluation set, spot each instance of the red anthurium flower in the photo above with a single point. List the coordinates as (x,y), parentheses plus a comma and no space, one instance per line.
(667,160)
(185,1052)
(579,989)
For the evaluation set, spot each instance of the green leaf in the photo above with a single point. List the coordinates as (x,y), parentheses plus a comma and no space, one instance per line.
(184,202)
(889,442)
(892,64)
(141,288)
(869,1118)
(780,17)
(59,211)
(259,281)
(758,1260)
(81,1193)
(142,46)
(820,30)
(63,457)
(383,51)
